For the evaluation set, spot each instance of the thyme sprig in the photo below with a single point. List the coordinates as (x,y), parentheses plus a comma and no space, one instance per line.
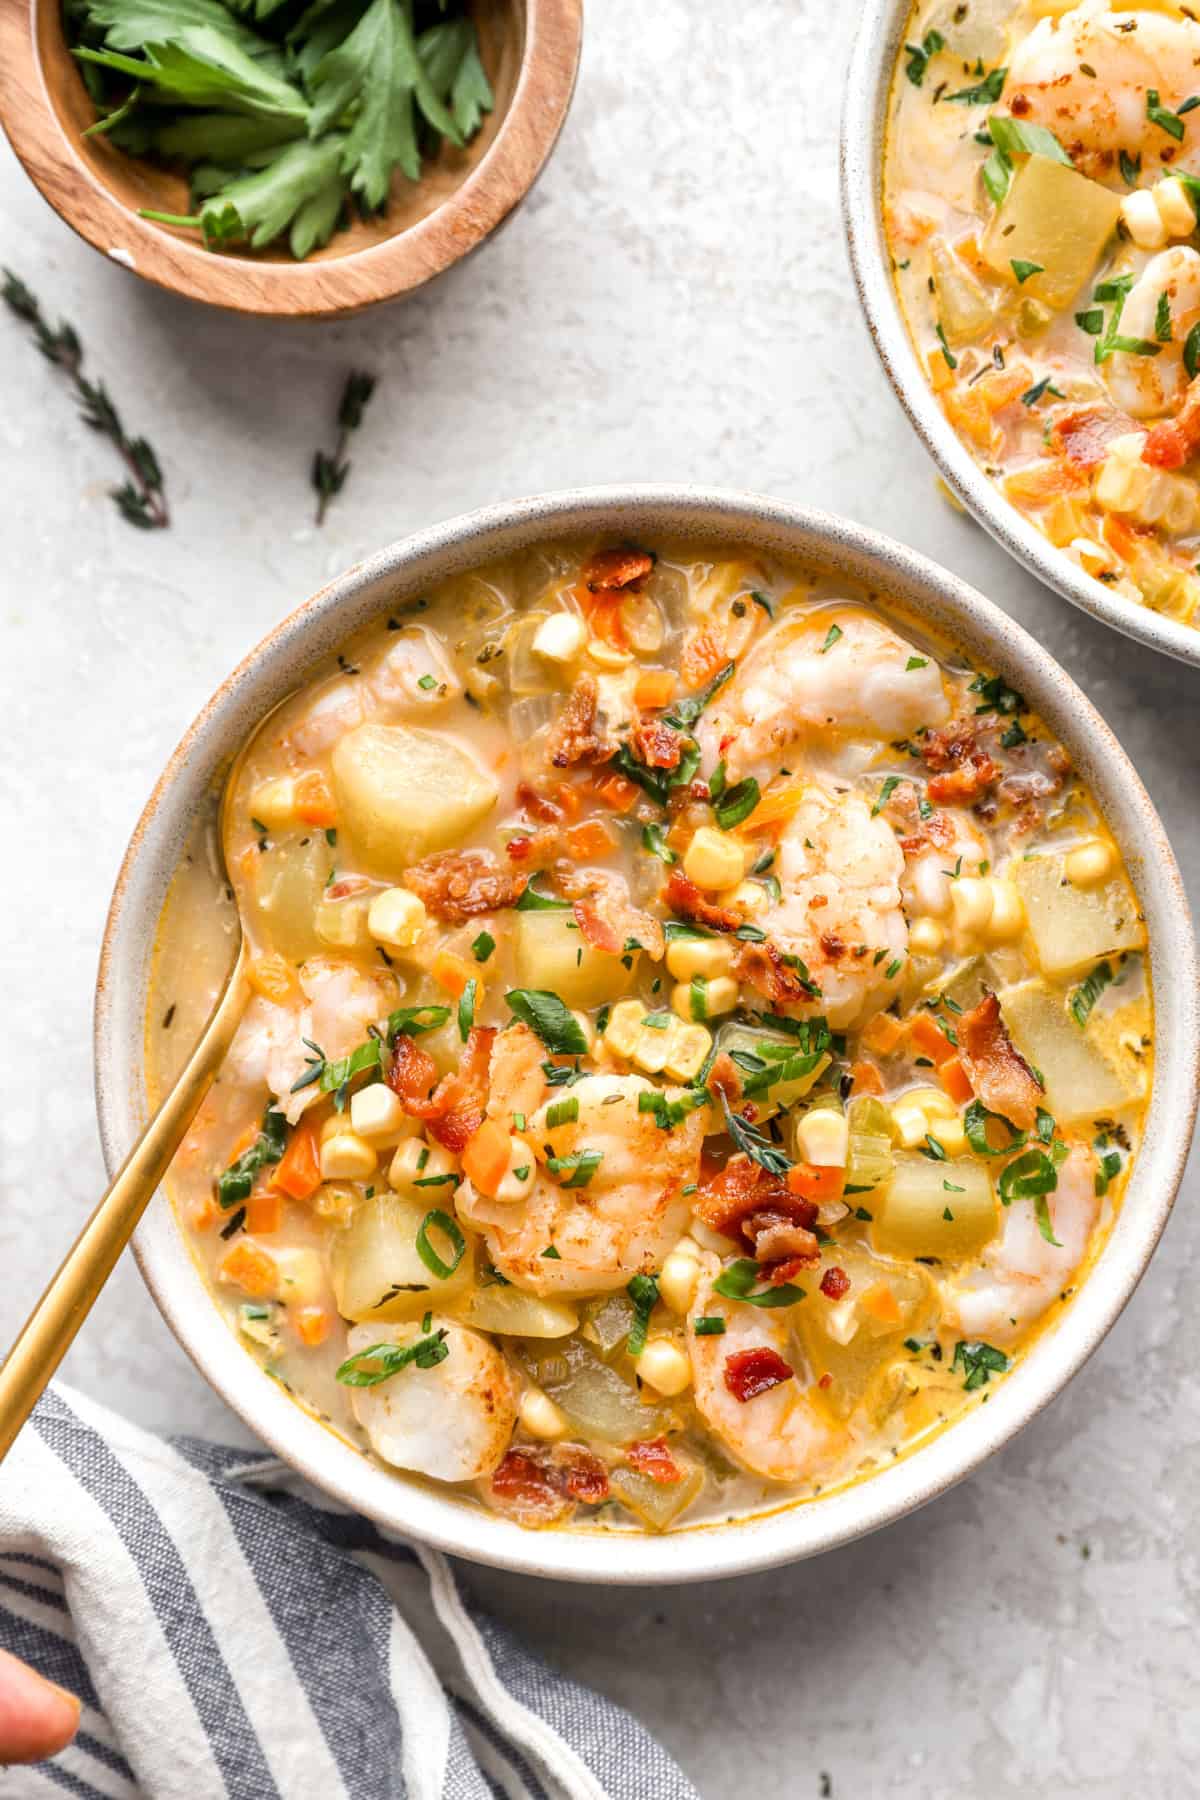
(329,472)
(140,499)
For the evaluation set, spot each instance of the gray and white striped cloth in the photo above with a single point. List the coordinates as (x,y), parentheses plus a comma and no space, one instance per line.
(233,1637)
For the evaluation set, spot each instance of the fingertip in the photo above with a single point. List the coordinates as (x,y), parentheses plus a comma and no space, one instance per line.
(37,1717)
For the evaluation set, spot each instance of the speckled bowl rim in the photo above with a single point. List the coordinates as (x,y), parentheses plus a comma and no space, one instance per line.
(881,32)
(274,667)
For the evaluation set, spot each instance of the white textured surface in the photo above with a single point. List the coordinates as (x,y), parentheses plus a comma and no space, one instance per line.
(672,304)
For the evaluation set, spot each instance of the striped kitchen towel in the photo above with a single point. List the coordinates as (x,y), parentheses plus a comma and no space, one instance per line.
(233,1635)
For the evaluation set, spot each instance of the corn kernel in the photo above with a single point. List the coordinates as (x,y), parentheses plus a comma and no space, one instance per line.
(345,1156)
(665,1367)
(713,859)
(680,1273)
(1142,220)
(654,1046)
(706,957)
(934,1102)
(1089,864)
(377,1115)
(750,897)
(926,937)
(1174,208)
(1007,920)
(971,903)
(418,1170)
(301,1279)
(822,1137)
(909,1123)
(606,656)
(539,1415)
(397,918)
(687,1051)
(560,638)
(273,803)
(624,1024)
(950,1134)
(700,999)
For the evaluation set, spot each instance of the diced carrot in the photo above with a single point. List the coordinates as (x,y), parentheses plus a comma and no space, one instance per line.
(203,1213)
(816,1181)
(941,375)
(485,1156)
(882,1034)
(264,1212)
(956,1081)
(273,977)
(602,610)
(703,654)
(776,805)
(298,1171)
(865,1078)
(881,1303)
(1040,482)
(970,413)
(590,838)
(313,1324)
(928,1039)
(251,1268)
(654,689)
(452,972)
(242,1142)
(1003,386)
(568,798)
(314,799)
(615,792)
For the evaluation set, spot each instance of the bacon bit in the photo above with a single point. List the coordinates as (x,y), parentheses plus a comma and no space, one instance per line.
(999,1073)
(743,1197)
(523,1488)
(963,786)
(1083,436)
(936,833)
(1173,442)
(762,967)
(686,899)
(656,744)
(575,735)
(606,916)
(749,1373)
(412,1075)
(965,771)
(703,654)
(462,1096)
(536,850)
(826,1380)
(653,1457)
(457,884)
(781,1241)
(610,570)
(583,1475)
(538,806)
(349,884)
(723,1078)
(835,1284)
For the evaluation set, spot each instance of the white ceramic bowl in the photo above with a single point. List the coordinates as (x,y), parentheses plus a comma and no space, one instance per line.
(281,661)
(881,33)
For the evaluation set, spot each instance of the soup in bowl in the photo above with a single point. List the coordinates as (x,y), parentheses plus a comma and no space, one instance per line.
(704,1024)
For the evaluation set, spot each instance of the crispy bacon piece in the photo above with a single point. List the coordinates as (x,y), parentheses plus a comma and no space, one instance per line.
(686,899)
(1084,434)
(999,1073)
(463,1095)
(536,849)
(1173,442)
(349,884)
(610,570)
(781,1242)
(457,884)
(762,967)
(577,735)
(538,806)
(653,1457)
(606,916)
(656,744)
(965,771)
(835,1284)
(723,1078)
(745,1198)
(412,1076)
(749,1373)
(538,1487)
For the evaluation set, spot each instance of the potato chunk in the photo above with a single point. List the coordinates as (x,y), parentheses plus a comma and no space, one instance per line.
(377,1270)
(1073,927)
(1082,1080)
(404,793)
(552,953)
(942,1209)
(1056,218)
(291,878)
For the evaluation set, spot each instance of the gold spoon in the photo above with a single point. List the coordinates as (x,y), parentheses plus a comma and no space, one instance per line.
(51,1327)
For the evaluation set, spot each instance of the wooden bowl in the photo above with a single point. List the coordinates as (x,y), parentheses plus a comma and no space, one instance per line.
(531,51)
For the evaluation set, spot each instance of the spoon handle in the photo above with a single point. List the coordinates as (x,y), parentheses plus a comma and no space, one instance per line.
(54,1321)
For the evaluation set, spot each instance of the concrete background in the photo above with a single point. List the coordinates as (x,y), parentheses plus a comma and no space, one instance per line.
(672,304)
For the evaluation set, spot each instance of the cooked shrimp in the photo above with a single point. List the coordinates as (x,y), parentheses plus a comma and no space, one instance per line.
(625,1216)
(336,709)
(1020,1273)
(1146,386)
(452,1421)
(839,875)
(269,1047)
(779,1433)
(1086,76)
(414,657)
(803,678)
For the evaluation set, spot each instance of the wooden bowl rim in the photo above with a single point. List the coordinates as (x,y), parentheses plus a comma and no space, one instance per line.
(339,286)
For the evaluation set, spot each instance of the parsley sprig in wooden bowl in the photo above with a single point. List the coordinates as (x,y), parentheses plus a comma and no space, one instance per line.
(295,157)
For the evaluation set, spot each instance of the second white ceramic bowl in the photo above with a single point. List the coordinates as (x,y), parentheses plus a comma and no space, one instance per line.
(881,33)
(281,661)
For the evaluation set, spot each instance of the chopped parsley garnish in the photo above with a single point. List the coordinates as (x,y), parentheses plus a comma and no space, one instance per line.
(684,713)
(709,1325)
(234,1185)
(984,93)
(1023,269)
(367,1368)
(740,1282)
(919,56)
(1162,320)
(1163,117)
(885,793)
(533,900)
(996,695)
(978,1363)
(916,662)
(643,1291)
(466,1008)
(654,840)
(831,638)
(1085,996)
(737,803)
(578,1168)
(549,1018)
(483,946)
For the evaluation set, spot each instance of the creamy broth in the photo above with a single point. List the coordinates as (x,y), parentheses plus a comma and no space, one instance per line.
(699,1038)
(1040,210)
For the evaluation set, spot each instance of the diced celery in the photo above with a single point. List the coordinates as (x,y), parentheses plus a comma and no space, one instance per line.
(596,1399)
(656,1503)
(869,1150)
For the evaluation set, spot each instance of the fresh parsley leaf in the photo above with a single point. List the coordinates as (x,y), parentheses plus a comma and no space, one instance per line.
(978,1363)
(550,1018)
(1085,996)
